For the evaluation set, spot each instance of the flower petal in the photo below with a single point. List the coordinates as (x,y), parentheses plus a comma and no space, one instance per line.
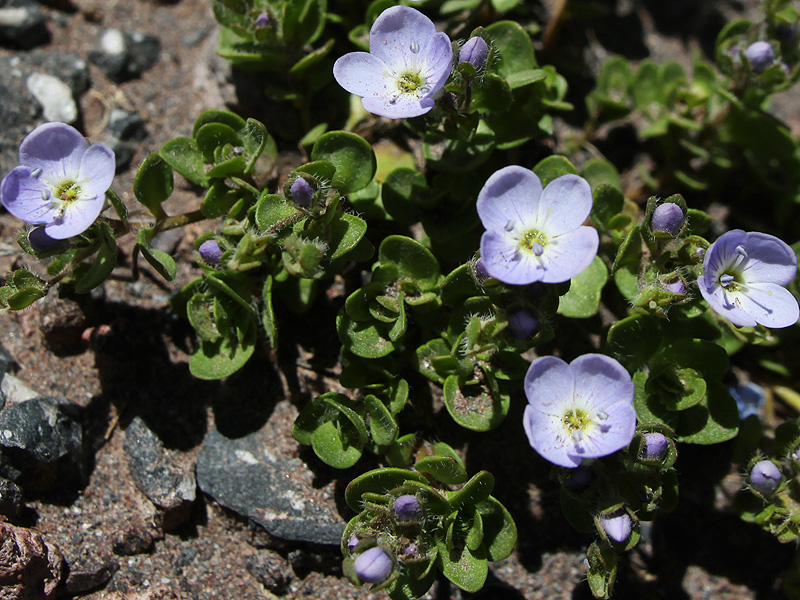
(97,170)
(720,254)
(611,434)
(769,259)
(510,195)
(397,32)
(769,304)
(401,107)
(567,255)
(437,61)
(549,439)
(722,302)
(55,148)
(549,385)
(361,74)
(564,205)
(76,218)
(503,261)
(21,194)
(600,381)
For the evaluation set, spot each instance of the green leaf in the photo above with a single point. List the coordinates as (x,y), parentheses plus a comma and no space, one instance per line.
(633,340)
(351,155)
(401,194)
(461,155)
(514,48)
(466,568)
(474,406)
(346,232)
(607,205)
(199,310)
(104,262)
(219,200)
(710,423)
(184,157)
(599,171)
(255,141)
(445,469)
(382,425)
(362,338)
(162,262)
(268,320)
(217,360)
(334,443)
(552,167)
(379,481)
(583,298)
(499,529)
(211,136)
(525,77)
(272,209)
(225,117)
(153,183)
(491,94)
(476,490)
(412,259)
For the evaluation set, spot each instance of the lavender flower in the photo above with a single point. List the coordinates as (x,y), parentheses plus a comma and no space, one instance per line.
(749,399)
(522,324)
(61,181)
(579,410)
(743,278)
(656,446)
(263,20)
(475,51)
(765,477)
(667,217)
(407,509)
(407,64)
(534,234)
(760,55)
(373,565)
(617,525)
(210,252)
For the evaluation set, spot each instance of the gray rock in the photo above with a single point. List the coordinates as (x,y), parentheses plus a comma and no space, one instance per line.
(157,473)
(22,24)
(11,500)
(122,56)
(277,493)
(14,390)
(54,96)
(270,570)
(20,113)
(42,440)
(90,567)
(122,134)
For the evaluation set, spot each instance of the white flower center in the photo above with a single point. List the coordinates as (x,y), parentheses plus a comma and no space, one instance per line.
(533,242)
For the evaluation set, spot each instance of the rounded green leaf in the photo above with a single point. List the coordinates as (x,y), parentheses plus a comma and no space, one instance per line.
(499,529)
(153,183)
(473,406)
(583,298)
(379,481)
(413,260)
(552,167)
(445,469)
(351,155)
(184,157)
(336,444)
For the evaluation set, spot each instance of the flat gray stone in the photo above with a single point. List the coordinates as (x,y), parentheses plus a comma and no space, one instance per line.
(277,493)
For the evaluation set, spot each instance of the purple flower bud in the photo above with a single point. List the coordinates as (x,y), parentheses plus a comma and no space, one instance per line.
(760,56)
(41,242)
(352,542)
(522,324)
(479,268)
(617,525)
(667,217)
(475,51)
(407,509)
(765,477)
(675,287)
(656,446)
(579,479)
(263,20)
(373,565)
(302,192)
(786,32)
(210,252)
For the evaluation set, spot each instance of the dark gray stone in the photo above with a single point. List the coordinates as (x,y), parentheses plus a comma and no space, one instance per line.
(122,134)
(11,500)
(168,485)
(277,493)
(270,570)
(89,567)
(123,56)
(22,24)
(42,442)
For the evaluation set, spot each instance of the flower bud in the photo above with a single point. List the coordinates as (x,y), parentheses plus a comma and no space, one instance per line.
(617,525)
(373,565)
(656,446)
(760,56)
(667,217)
(407,509)
(210,252)
(522,324)
(353,541)
(479,269)
(765,477)
(41,242)
(263,20)
(675,287)
(475,51)
(786,32)
(579,479)
(302,192)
